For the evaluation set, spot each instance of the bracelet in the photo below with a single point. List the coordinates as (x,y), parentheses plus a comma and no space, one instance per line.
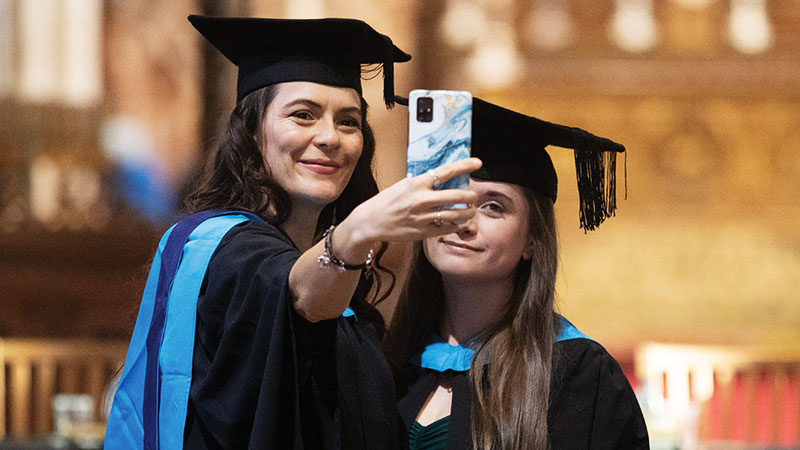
(328,257)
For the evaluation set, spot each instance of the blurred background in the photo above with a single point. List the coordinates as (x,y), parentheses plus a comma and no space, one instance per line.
(108,107)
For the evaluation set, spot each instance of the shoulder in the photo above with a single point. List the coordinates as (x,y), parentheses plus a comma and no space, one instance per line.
(252,231)
(592,401)
(586,364)
(581,353)
(254,240)
(251,252)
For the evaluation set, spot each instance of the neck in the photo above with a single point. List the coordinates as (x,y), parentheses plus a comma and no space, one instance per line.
(301,225)
(470,308)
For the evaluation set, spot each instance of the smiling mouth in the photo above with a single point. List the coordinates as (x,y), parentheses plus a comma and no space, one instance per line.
(459,245)
(321,166)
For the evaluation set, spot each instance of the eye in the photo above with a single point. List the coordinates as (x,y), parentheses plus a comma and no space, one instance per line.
(350,122)
(302,115)
(493,208)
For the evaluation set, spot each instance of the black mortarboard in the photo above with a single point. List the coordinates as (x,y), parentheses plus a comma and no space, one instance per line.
(327,51)
(512,148)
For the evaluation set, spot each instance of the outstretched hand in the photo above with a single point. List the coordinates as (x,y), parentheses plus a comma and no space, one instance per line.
(409,210)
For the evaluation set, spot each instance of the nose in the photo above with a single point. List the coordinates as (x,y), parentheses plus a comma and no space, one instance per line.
(327,136)
(467,230)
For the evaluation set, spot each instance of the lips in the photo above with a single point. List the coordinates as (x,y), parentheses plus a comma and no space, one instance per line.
(321,166)
(459,245)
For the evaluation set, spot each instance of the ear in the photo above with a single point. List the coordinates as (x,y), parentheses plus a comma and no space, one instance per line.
(527,252)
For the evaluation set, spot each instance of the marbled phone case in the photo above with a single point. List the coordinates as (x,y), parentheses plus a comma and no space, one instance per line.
(447,137)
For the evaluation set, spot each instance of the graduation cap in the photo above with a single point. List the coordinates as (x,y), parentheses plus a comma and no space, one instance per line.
(512,148)
(326,51)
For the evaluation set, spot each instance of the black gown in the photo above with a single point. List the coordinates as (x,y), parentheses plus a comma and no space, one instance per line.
(592,405)
(265,378)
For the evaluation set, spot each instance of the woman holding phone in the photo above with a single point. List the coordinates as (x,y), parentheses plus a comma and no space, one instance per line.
(483,360)
(256,328)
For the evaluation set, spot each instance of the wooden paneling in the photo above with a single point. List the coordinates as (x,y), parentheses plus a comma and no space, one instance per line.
(40,368)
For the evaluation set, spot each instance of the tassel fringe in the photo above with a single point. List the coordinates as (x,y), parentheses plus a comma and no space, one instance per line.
(597,185)
(388,72)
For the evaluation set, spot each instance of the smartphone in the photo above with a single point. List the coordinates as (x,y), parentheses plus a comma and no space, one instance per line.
(439,132)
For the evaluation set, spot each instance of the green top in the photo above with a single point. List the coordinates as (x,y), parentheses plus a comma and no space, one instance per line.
(431,437)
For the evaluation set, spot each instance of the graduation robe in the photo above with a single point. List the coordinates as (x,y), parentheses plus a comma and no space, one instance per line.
(263,377)
(592,405)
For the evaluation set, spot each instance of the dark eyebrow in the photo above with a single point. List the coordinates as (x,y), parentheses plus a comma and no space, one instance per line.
(315,105)
(497,194)
(304,101)
(351,109)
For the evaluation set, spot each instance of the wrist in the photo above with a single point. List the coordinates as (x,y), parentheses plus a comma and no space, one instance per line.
(351,242)
(345,255)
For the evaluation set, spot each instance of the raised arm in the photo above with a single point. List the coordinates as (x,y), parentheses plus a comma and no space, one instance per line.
(409,210)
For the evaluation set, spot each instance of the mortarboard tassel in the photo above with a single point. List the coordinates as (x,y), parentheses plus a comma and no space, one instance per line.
(595,168)
(388,72)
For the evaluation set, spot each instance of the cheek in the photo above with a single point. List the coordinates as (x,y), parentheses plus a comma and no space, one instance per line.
(430,249)
(427,244)
(279,146)
(273,159)
(349,156)
(509,243)
(269,143)
(354,148)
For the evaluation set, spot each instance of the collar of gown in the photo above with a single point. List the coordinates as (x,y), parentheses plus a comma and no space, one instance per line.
(440,356)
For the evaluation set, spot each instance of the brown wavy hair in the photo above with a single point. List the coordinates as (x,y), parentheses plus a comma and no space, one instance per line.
(235,176)
(511,394)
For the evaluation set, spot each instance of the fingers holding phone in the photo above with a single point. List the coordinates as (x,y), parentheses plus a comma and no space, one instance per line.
(411,209)
(441,175)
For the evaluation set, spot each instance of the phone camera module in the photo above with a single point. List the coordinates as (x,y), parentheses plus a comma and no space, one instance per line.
(425,109)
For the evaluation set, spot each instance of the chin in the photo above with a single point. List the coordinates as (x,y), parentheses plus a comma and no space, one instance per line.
(321,196)
(450,268)
(321,201)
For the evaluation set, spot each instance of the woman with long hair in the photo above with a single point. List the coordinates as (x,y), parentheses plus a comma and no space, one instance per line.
(257,327)
(483,359)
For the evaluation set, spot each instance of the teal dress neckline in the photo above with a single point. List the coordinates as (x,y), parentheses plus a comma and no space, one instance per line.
(429,437)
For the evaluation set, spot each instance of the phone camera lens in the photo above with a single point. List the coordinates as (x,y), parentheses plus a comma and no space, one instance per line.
(425,109)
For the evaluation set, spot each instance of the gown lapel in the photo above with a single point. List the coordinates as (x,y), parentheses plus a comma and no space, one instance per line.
(459,436)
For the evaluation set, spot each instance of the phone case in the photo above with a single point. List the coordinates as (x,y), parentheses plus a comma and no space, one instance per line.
(446,137)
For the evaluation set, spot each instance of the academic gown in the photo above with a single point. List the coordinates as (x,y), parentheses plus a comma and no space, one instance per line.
(592,405)
(265,378)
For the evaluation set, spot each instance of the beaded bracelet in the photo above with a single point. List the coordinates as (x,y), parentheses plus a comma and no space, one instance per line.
(328,257)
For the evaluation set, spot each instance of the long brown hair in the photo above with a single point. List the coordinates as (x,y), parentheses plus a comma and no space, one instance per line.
(235,176)
(510,395)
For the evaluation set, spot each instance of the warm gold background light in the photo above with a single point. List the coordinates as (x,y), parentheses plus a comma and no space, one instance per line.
(704,249)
